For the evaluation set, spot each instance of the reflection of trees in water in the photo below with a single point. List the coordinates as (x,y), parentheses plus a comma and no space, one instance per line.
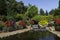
(35,35)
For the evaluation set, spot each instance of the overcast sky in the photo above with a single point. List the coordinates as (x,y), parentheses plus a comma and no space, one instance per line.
(44,4)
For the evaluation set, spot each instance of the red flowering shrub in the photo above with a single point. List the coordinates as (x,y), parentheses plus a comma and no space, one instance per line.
(21,23)
(7,23)
(57,21)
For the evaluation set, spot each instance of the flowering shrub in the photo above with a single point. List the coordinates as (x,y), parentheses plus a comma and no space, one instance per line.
(43,22)
(7,23)
(21,23)
(57,20)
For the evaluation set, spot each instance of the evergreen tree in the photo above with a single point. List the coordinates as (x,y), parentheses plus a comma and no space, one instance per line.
(59,3)
(46,13)
(42,12)
(57,11)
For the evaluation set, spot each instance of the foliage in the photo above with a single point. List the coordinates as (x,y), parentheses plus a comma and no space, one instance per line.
(39,17)
(58,16)
(3,7)
(46,13)
(57,12)
(28,23)
(7,24)
(42,12)
(19,17)
(31,11)
(52,12)
(3,18)
(43,22)
(1,24)
(20,8)
(59,4)
(19,26)
(50,17)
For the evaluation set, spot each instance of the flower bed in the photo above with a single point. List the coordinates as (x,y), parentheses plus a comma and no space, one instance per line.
(9,26)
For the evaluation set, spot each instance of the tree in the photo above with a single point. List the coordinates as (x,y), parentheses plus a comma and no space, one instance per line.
(42,12)
(3,7)
(59,4)
(32,11)
(46,13)
(57,11)
(20,7)
(52,12)
(10,7)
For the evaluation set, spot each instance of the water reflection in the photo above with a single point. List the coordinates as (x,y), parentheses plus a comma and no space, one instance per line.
(47,37)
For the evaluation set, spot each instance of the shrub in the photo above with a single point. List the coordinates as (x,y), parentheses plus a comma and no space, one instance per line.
(19,26)
(1,25)
(57,21)
(3,18)
(43,22)
(7,24)
(50,17)
(39,17)
(19,17)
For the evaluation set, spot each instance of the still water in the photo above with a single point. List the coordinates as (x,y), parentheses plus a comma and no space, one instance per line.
(33,35)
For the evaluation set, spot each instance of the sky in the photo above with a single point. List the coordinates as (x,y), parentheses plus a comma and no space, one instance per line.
(44,4)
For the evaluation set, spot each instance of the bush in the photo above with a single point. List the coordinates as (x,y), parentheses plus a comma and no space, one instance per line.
(28,23)
(7,23)
(43,22)
(50,18)
(19,17)
(7,29)
(39,17)
(19,26)
(1,25)
(8,26)
(3,18)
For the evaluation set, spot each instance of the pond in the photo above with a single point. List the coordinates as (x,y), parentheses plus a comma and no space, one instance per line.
(36,35)
(33,35)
